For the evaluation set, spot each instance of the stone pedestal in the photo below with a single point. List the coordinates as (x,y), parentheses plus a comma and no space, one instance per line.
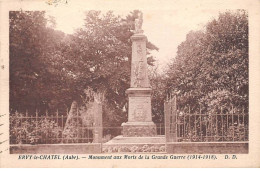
(140,122)
(139,129)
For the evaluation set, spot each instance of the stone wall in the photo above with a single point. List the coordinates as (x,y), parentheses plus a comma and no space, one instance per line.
(56,149)
(171,148)
(207,148)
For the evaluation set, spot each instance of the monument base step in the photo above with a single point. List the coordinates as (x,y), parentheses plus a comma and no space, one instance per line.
(139,129)
(145,140)
(122,144)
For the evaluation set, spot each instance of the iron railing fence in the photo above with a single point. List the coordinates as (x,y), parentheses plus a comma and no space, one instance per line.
(160,128)
(204,127)
(198,123)
(52,129)
(49,129)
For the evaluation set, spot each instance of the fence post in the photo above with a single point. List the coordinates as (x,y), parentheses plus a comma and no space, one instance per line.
(243,114)
(26,123)
(233,126)
(62,127)
(36,125)
(77,124)
(98,129)
(170,119)
(167,120)
(200,125)
(175,119)
(57,121)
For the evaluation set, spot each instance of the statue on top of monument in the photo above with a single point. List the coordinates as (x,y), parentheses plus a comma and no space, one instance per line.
(139,23)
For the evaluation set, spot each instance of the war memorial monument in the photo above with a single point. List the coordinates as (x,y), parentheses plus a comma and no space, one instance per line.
(139,132)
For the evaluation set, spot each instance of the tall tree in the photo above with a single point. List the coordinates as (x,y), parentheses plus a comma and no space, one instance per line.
(211,66)
(30,45)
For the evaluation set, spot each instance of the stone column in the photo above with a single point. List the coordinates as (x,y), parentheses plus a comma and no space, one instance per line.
(140,122)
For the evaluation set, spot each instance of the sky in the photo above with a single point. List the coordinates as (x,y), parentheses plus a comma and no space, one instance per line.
(164,28)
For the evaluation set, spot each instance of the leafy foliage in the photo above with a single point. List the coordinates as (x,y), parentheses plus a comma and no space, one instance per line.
(211,66)
(34,80)
(158,84)
(24,129)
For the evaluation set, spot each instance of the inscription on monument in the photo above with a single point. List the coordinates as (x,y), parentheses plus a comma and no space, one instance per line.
(139,109)
(139,113)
